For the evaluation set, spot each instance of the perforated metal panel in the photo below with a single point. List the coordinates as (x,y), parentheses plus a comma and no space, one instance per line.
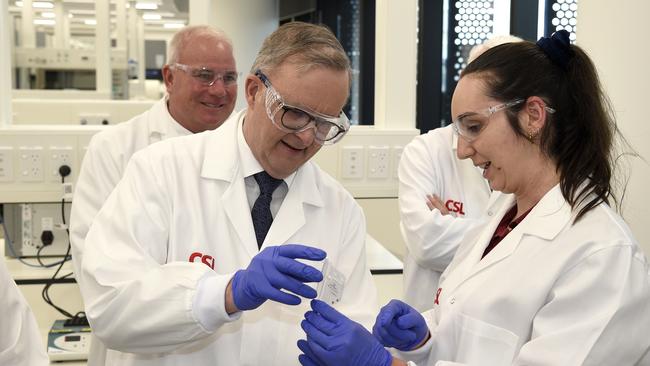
(473,24)
(563,14)
(470,22)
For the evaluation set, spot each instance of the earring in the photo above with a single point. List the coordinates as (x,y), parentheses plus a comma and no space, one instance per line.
(531,136)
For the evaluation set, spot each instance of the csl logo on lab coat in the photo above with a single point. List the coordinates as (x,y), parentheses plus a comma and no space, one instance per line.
(208,260)
(455,206)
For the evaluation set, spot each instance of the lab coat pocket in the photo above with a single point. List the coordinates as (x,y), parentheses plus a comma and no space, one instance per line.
(481,343)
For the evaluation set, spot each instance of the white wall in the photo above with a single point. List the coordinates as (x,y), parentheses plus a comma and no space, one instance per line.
(247,22)
(615,34)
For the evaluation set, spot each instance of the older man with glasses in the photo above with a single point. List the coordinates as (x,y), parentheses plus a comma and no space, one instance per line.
(206,249)
(201,82)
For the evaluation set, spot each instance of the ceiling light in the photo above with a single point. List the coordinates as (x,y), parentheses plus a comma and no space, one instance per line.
(173,25)
(42,5)
(44,21)
(48,14)
(146,6)
(81,12)
(151,16)
(19,4)
(90,22)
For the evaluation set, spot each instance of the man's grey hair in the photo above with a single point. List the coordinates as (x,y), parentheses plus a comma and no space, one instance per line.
(187,34)
(478,50)
(308,45)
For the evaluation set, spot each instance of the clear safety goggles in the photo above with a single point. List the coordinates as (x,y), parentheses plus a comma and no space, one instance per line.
(327,129)
(206,76)
(470,125)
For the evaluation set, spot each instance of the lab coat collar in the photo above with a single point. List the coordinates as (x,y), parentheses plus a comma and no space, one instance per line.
(546,220)
(222,162)
(161,124)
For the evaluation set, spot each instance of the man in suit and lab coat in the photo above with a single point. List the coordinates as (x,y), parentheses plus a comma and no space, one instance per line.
(187,266)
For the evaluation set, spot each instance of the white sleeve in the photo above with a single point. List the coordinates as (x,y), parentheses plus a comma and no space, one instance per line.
(100,172)
(431,237)
(135,300)
(20,340)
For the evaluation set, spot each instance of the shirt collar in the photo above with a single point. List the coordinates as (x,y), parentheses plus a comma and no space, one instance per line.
(162,123)
(250,165)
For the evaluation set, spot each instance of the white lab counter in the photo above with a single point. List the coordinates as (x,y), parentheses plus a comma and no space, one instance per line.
(380,260)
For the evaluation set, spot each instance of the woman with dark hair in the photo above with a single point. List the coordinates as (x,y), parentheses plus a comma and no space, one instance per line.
(555,277)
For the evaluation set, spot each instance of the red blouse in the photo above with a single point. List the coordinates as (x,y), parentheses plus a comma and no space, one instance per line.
(506,225)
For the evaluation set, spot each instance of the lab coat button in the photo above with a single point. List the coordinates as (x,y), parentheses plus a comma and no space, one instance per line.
(452,300)
(490,213)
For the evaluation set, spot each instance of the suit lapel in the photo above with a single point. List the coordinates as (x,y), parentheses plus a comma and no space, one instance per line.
(221,163)
(291,216)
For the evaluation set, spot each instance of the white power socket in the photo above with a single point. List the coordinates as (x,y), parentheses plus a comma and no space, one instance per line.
(59,155)
(352,162)
(378,161)
(31,163)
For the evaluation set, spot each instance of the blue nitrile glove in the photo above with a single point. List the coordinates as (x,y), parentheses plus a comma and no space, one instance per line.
(334,340)
(400,326)
(275,268)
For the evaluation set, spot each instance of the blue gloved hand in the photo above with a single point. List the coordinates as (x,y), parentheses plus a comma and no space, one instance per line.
(400,326)
(334,340)
(275,268)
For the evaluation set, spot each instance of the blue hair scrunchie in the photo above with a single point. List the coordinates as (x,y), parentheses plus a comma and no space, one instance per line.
(557,47)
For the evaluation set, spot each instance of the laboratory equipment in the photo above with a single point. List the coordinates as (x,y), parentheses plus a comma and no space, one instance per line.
(66,341)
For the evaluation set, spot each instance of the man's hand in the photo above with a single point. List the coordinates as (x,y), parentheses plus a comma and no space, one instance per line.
(333,340)
(271,270)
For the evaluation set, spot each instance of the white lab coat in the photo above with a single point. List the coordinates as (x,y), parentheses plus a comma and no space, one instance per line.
(185,196)
(20,340)
(429,166)
(551,293)
(108,153)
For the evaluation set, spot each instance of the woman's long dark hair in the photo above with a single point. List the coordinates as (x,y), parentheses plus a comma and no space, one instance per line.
(579,136)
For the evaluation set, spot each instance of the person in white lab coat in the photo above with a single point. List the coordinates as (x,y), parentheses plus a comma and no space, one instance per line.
(20,341)
(178,273)
(201,82)
(555,277)
(441,197)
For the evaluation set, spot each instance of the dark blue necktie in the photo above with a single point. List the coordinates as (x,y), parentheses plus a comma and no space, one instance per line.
(261,212)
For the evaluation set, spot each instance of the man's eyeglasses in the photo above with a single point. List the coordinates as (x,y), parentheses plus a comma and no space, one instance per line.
(207,77)
(470,124)
(327,129)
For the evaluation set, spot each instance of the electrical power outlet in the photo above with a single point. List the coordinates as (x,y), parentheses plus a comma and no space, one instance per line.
(6,163)
(30,163)
(378,161)
(352,162)
(59,155)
